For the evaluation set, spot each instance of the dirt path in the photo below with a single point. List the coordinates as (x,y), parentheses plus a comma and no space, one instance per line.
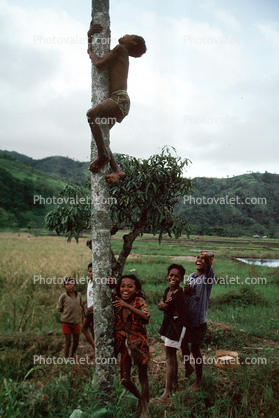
(174,257)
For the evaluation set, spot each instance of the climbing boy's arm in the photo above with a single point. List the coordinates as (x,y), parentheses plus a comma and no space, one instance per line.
(106,59)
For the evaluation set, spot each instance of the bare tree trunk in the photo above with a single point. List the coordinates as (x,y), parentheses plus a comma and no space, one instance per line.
(101,221)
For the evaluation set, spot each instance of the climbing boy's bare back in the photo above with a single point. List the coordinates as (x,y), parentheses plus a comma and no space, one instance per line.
(117,106)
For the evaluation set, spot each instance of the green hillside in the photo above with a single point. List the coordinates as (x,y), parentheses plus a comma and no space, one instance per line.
(21,189)
(64,168)
(242,205)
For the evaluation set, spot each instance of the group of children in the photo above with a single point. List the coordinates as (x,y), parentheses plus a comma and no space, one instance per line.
(184,310)
(184,323)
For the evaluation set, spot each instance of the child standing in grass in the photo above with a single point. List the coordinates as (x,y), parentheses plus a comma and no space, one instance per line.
(89,319)
(70,306)
(131,316)
(173,327)
(197,293)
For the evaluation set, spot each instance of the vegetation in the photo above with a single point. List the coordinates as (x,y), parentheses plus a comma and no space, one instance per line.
(242,318)
(210,218)
(20,188)
(64,168)
(143,202)
(237,206)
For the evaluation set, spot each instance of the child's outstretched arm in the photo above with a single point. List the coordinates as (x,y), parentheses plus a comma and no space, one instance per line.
(118,302)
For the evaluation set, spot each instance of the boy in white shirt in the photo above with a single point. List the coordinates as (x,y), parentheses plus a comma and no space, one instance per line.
(89,320)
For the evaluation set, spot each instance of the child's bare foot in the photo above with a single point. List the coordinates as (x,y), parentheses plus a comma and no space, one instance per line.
(145,414)
(144,410)
(162,400)
(115,176)
(195,387)
(99,163)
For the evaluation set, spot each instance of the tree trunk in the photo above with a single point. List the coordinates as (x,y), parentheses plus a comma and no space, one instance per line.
(118,265)
(101,221)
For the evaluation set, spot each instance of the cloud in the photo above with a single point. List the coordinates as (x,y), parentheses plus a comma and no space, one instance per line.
(44,83)
(207,85)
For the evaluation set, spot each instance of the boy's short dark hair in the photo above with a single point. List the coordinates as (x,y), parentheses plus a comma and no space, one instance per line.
(69,280)
(139,49)
(178,267)
(89,266)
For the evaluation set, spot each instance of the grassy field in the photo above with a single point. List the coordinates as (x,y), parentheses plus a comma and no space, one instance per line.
(242,317)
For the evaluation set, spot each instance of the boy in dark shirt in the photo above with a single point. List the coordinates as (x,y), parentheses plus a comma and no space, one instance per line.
(173,327)
(117,106)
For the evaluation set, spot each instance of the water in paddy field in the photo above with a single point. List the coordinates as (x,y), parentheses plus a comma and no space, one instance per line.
(266,262)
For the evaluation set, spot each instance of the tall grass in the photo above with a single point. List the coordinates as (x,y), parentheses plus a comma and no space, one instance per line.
(241,317)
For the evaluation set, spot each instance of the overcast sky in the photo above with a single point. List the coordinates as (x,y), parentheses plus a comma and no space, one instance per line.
(208,84)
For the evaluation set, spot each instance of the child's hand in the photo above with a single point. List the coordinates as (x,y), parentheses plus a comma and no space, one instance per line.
(111,282)
(120,303)
(187,288)
(168,299)
(169,296)
(94,28)
(161,305)
(90,310)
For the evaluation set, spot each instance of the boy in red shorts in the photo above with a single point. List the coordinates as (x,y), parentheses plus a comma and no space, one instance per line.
(70,305)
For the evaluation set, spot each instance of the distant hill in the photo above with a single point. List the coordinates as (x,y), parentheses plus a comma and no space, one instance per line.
(64,168)
(242,205)
(20,186)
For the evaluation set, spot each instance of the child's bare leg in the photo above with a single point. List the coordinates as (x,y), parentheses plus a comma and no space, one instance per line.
(198,365)
(117,174)
(189,369)
(143,378)
(106,112)
(67,345)
(75,344)
(126,378)
(88,336)
(170,372)
(103,157)
(175,378)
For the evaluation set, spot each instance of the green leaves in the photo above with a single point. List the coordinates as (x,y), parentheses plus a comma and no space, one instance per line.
(72,213)
(149,192)
(144,200)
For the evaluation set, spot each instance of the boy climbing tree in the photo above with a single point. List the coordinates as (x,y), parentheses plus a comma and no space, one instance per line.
(117,106)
